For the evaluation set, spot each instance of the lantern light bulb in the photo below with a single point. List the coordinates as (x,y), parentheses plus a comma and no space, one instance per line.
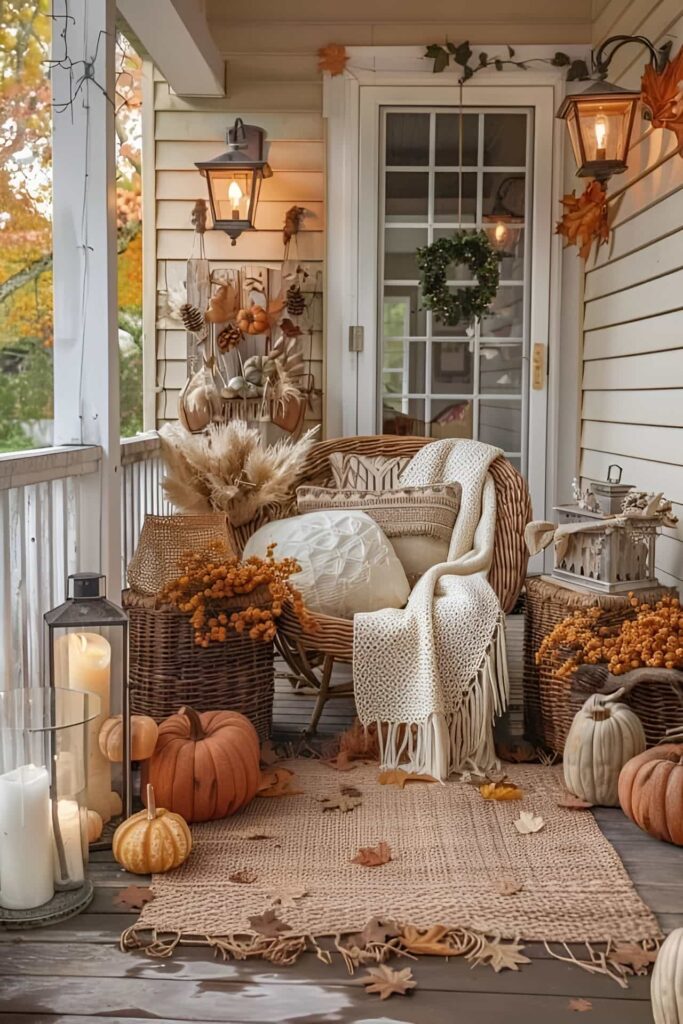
(600,137)
(500,232)
(235,195)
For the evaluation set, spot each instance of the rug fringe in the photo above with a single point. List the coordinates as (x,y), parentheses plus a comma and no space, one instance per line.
(600,961)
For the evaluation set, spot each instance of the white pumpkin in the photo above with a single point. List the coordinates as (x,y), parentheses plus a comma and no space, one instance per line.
(666,987)
(603,737)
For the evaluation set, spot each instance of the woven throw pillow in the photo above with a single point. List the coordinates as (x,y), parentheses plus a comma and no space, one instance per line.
(366,472)
(347,564)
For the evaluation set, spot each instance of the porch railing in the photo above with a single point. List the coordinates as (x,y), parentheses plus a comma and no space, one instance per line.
(49,500)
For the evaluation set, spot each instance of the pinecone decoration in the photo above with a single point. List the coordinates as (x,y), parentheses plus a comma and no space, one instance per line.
(193,318)
(296,303)
(229,338)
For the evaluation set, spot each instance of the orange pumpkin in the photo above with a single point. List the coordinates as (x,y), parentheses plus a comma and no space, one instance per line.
(253,321)
(651,791)
(206,765)
(143,737)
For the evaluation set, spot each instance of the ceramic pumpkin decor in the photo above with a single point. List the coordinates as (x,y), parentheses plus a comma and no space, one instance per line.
(666,987)
(144,731)
(206,765)
(152,840)
(651,792)
(253,320)
(603,737)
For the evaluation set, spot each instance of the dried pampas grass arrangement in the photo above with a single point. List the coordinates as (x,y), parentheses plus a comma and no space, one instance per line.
(228,469)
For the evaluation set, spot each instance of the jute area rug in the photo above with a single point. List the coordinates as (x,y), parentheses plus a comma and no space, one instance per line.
(453,853)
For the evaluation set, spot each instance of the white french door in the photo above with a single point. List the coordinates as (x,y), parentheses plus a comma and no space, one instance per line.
(417,183)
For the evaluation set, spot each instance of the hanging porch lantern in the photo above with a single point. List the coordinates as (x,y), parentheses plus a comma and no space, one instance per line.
(600,119)
(234,179)
(87,650)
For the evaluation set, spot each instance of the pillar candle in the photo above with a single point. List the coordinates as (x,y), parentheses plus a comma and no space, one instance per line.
(26,871)
(68,845)
(90,669)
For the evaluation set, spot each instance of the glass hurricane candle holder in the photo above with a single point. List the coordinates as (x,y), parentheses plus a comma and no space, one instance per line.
(43,813)
(87,650)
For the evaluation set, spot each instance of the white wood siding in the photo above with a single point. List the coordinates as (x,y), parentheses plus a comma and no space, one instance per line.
(632,403)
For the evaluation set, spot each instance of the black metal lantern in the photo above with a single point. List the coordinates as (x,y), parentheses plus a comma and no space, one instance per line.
(234,179)
(87,650)
(600,119)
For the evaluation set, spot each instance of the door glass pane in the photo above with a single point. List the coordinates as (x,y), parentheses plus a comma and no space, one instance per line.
(467,379)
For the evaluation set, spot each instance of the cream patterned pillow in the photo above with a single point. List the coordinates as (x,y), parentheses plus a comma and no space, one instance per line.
(366,472)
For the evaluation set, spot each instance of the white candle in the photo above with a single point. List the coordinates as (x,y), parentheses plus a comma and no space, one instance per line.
(26,873)
(90,669)
(68,868)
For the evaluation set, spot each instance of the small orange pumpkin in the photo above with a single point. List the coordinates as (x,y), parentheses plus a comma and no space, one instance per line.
(253,320)
(651,792)
(151,841)
(95,826)
(143,738)
(206,765)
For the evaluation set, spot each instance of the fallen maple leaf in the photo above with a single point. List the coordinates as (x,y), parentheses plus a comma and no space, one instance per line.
(351,791)
(244,877)
(528,822)
(585,218)
(373,856)
(342,763)
(387,982)
(500,791)
(580,1005)
(133,897)
(397,777)
(332,58)
(573,803)
(376,932)
(269,924)
(278,783)
(426,941)
(661,96)
(341,803)
(508,887)
(632,955)
(499,955)
(287,899)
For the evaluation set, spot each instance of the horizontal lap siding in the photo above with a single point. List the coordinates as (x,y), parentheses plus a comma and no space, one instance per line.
(189,130)
(632,409)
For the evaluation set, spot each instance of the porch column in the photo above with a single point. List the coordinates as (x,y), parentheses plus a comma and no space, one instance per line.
(86,352)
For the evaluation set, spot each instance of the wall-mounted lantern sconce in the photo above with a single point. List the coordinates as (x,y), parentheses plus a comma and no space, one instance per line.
(234,179)
(600,119)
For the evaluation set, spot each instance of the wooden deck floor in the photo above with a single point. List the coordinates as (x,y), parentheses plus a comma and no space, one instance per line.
(74,973)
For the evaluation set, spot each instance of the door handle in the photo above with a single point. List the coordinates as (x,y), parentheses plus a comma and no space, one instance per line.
(538,366)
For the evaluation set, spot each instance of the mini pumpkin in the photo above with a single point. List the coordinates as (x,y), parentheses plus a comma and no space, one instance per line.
(95,826)
(206,765)
(666,987)
(258,370)
(651,792)
(253,320)
(152,840)
(144,731)
(603,737)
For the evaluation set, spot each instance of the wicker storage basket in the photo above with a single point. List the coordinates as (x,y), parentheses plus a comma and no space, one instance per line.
(167,668)
(549,704)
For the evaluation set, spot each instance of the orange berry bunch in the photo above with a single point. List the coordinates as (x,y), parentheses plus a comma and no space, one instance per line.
(651,638)
(211,579)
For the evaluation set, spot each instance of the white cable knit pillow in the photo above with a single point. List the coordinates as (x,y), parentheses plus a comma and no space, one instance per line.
(347,564)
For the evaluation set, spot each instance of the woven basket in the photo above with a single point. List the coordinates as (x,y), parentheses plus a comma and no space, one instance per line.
(167,668)
(164,541)
(549,704)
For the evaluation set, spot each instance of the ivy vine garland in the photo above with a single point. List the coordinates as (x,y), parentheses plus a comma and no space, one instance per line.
(474,250)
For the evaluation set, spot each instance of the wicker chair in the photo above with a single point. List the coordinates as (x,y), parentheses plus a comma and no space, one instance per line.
(312,654)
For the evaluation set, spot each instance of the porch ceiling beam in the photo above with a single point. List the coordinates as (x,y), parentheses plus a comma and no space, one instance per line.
(176,37)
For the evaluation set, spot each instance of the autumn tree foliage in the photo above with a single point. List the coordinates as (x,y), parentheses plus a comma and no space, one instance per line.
(26,114)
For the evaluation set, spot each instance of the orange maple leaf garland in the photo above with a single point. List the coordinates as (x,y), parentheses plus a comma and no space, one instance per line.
(662,96)
(585,218)
(332,58)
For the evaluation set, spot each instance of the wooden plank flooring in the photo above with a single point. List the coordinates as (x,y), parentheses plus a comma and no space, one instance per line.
(74,973)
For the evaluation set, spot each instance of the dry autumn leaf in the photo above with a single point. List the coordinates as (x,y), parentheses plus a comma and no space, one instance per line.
(341,803)
(528,822)
(133,897)
(397,777)
(508,887)
(269,924)
(580,1005)
(585,218)
(573,803)
(376,932)
(332,58)
(662,98)
(244,877)
(386,982)
(278,783)
(500,791)
(287,899)
(373,856)
(501,956)
(426,941)
(634,956)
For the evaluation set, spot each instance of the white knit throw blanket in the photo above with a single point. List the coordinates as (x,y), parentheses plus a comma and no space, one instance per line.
(439,664)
